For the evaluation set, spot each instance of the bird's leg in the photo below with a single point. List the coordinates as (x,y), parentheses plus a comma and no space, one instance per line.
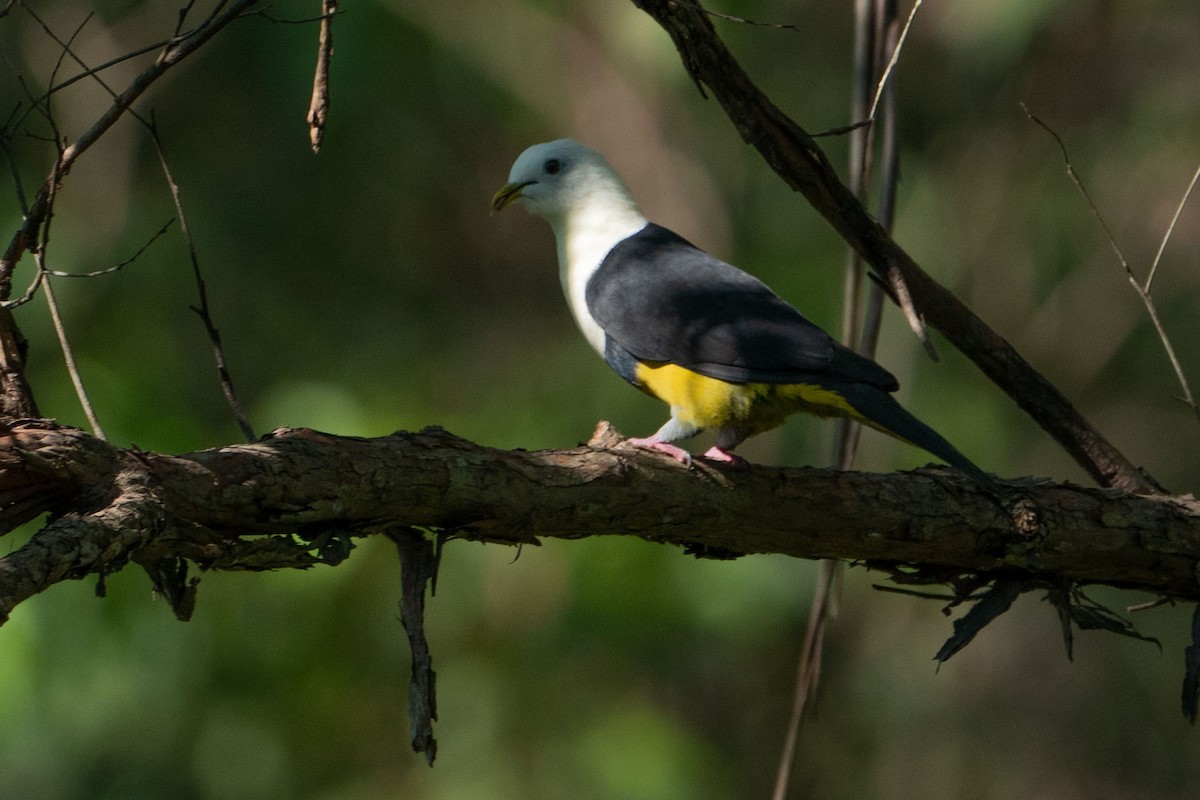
(727,439)
(718,453)
(673,430)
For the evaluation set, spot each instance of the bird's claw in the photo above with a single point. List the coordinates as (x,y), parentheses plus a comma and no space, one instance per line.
(716,453)
(674,451)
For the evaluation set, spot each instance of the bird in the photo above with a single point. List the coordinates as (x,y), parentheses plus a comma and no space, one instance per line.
(713,342)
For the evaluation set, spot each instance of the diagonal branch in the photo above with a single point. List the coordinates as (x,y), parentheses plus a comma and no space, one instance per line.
(795,156)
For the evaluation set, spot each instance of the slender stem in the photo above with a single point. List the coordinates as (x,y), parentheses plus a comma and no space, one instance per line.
(1170,230)
(1143,292)
(69,357)
(872,26)
(203,310)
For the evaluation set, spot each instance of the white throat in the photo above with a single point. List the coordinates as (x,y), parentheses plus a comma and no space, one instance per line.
(594,223)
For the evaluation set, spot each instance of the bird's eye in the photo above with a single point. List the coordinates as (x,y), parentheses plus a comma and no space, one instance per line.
(552,166)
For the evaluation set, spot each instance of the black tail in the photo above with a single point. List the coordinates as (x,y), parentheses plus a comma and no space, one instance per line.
(881,411)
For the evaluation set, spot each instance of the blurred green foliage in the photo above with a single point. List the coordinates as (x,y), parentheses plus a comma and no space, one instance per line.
(366,290)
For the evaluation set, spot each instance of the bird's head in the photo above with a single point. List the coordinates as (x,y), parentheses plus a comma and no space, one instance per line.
(554,179)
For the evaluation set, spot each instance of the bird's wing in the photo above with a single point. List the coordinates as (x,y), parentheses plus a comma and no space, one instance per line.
(664,300)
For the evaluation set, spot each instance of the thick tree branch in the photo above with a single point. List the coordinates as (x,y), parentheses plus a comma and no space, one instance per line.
(793,154)
(239,507)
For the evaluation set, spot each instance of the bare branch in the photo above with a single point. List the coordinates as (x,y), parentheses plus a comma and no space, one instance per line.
(65,50)
(60,332)
(1143,292)
(38,213)
(1170,230)
(744,21)
(318,109)
(213,506)
(175,51)
(895,58)
(791,152)
(39,255)
(35,284)
(203,310)
(154,237)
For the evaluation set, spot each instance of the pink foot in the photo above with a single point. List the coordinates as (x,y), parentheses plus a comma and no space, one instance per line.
(715,453)
(677,453)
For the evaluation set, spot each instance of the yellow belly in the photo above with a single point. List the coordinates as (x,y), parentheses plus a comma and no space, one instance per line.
(752,407)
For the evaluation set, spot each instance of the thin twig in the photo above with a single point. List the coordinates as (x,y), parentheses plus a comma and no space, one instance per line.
(39,257)
(68,354)
(182,17)
(203,310)
(30,292)
(318,108)
(810,660)
(744,21)
(887,72)
(949,598)
(119,266)
(35,284)
(64,51)
(41,248)
(175,52)
(1143,292)
(1170,230)
(885,92)
(1156,603)
(874,29)
(64,47)
(842,130)
(91,72)
(269,17)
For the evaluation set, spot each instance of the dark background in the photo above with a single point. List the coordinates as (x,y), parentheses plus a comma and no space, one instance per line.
(367,290)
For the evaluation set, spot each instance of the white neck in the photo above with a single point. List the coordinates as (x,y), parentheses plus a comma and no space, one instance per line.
(593,225)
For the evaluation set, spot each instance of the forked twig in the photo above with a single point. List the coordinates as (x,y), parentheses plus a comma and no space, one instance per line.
(154,237)
(1143,291)
(41,245)
(175,52)
(37,216)
(39,274)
